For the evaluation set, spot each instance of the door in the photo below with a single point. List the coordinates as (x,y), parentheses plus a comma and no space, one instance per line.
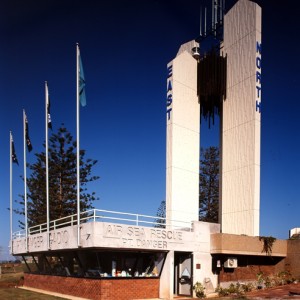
(185,274)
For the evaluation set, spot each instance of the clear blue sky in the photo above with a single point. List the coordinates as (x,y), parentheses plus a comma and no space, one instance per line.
(125,47)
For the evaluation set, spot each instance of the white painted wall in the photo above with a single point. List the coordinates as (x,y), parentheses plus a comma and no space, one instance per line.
(102,235)
(241,123)
(183,138)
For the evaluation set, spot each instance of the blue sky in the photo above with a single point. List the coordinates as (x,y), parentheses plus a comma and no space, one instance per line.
(125,47)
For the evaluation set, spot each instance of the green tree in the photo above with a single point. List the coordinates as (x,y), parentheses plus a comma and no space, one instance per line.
(208,188)
(161,214)
(62,181)
(209,185)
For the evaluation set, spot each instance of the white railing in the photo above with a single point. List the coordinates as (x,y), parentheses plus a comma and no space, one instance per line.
(98,215)
(19,234)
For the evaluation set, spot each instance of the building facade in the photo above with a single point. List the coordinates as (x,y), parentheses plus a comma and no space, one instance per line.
(239,106)
(151,259)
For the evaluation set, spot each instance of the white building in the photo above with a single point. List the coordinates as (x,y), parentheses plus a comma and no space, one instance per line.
(183,250)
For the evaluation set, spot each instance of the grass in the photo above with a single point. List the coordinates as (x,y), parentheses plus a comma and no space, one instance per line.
(18,294)
(10,279)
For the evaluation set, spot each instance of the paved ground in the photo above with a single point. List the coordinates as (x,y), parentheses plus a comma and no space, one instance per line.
(290,291)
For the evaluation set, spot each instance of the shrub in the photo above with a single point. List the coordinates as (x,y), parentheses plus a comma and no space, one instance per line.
(199,290)
(283,278)
(237,289)
(247,287)
(222,292)
(269,282)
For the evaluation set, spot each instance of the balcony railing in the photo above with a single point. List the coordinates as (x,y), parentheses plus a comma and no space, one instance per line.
(98,215)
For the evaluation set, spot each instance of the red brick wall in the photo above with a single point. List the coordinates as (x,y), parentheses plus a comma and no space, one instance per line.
(248,270)
(292,261)
(97,289)
(245,273)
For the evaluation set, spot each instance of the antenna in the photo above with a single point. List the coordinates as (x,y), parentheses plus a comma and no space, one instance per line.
(216,16)
(221,11)
(216,29)
(212,15)
(200,20)
(204,21)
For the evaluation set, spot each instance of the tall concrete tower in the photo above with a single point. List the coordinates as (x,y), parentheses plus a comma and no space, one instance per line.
(226,80)
(240,196)
(183,138)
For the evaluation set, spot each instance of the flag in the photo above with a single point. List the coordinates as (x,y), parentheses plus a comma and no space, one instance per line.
(28,142)
(13,152)
(48,114)
(82,98)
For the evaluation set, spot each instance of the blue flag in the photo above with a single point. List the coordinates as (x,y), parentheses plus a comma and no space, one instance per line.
(82,98)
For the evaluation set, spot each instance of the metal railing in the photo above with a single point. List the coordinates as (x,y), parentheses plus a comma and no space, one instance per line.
(98,215)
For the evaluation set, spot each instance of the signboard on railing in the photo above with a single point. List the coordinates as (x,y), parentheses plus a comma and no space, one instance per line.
(64,238)
(120,236)
(139,237)
(102,229)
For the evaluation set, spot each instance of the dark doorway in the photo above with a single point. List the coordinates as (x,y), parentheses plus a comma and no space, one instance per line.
(183,273)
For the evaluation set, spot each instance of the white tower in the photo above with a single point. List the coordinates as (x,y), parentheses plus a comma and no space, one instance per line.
(183,138)
(240,196)
(240,123)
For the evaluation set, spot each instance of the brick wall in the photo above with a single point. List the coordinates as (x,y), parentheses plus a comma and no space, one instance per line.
(97,289)
(245,273)
(292,261)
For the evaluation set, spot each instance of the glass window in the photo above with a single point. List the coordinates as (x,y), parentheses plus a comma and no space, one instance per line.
(95,263)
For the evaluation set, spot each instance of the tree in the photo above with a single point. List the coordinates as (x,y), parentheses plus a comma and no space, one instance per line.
(161,215)
(62,181)
(208,188)
(209,185)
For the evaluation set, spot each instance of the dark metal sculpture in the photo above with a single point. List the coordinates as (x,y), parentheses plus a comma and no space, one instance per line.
(211,84)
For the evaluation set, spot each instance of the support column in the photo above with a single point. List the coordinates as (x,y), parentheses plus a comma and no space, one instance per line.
(167,278)
(183,139)
(241,120)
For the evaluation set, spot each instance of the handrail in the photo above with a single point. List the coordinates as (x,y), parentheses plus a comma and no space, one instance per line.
(99,215)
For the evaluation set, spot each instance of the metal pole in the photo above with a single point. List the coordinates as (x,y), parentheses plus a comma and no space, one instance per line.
(200,20)
(25,180)
(216,16)
(10,190)
(47,163)
(212,15)
(205,21)
(221,10)
(78,145)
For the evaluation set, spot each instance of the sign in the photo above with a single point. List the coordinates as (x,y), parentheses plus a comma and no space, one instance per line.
(186,273)
(169,91)
(140,237)
(258,77)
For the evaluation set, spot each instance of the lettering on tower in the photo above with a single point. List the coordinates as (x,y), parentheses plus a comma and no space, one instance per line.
(258,77)
(169,91)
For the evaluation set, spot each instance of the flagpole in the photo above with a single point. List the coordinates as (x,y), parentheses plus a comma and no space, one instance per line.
(25,181)
(10,190)
(47,164)
(78,145)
